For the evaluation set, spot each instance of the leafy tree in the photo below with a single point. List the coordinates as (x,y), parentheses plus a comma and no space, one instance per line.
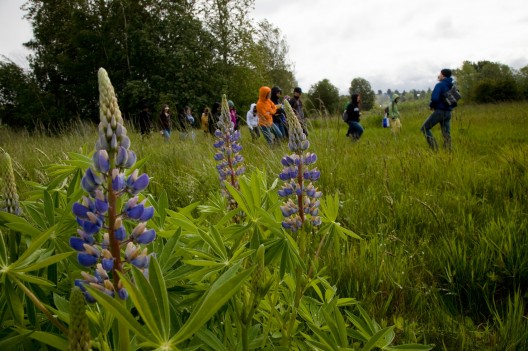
(362,86)
(324,96)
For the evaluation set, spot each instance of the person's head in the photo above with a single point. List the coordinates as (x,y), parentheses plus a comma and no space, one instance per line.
(231,104)
(276,91)
(445,73)
(264,93)
(165,108)
(187,110)
(395,98)
(356,99)
(206,110)
(144,107)
(215,108)
(297,92)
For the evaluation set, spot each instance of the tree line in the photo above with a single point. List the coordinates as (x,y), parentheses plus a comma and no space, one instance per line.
(181,53)
(159,52)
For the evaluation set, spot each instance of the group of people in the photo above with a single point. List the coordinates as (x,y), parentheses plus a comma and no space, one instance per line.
(441,113)
(268,116)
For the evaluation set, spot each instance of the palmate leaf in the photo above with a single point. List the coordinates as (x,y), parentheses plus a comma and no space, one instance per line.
(214,298)
(18,224)
(284,251)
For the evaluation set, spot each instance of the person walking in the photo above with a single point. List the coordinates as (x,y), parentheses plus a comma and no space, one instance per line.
(233,114)
(441,111)
(394,114)
(165,122)
(205,120)
(297,106)
(265,111)
(355,129)
(279,118)
(252,122)
(214,117)
(145,120)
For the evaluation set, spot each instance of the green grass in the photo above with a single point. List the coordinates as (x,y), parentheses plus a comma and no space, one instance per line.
(445,249)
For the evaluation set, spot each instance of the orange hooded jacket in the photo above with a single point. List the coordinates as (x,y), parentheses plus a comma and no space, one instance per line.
(265,108)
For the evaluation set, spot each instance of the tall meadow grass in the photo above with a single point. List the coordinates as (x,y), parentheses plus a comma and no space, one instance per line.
(444,254)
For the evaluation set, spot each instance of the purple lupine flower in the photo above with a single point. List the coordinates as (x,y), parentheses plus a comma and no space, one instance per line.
(230,162)
(105,181)
(295,174)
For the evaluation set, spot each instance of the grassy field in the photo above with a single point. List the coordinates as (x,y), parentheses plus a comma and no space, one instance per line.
(444,254)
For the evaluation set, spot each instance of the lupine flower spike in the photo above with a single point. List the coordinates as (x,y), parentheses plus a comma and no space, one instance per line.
(300,194)
(8,192)
(102,237)
(230,162)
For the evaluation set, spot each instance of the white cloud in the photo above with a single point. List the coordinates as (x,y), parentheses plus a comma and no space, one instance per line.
(392,44)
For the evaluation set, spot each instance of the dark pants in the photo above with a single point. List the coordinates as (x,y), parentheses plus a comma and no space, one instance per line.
(355,129)
(444,119)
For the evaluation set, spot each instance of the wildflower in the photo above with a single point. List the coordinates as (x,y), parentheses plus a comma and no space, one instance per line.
(97,212)
(230,162)
(302,196)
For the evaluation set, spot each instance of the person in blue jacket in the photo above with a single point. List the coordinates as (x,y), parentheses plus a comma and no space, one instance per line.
(441,111)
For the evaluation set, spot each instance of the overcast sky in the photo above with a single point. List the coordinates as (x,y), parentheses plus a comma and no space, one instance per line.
(392,44)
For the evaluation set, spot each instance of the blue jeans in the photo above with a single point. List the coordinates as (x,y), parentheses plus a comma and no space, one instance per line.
(444,118)
(266,131)
(166,134)
(355,129)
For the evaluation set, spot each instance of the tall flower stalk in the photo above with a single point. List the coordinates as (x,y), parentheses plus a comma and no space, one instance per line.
(103,242)
(230,163)
(301,202)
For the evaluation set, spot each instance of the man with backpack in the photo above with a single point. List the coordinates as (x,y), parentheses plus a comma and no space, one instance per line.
(441,111)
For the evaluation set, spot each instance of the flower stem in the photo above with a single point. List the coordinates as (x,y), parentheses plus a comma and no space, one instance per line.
(114,243)
(41,307)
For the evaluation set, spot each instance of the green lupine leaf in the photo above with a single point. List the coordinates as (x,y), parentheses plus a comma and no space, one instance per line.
(15,304)
(210,339)
(323,337)
(45,262)
(360,325)
(214,298)
(372,325)
(144,299)
(3,251)
(340,326)
(23,262)
(53,340)
(203,263)
(24,228)
(7,343)
(213,238)
(117,309)
(167,257)
(32,279)
(160,291)
(49,208)
(36,244)
(409,347)
(35,215)
(240,200)
(380,339)
(319,346)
